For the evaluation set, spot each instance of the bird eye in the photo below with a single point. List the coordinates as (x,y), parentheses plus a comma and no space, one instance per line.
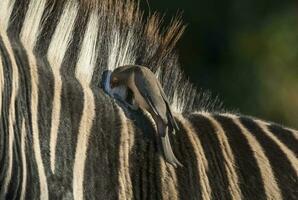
(114,82)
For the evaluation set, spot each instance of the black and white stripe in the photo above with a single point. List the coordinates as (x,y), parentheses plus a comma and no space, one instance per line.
(62,137)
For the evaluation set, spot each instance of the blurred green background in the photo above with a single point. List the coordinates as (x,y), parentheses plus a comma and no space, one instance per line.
(245,51)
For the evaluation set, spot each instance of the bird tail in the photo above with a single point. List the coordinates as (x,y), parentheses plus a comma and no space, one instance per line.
(168,152)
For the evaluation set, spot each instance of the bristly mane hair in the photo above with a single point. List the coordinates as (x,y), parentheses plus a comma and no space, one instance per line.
(104,34)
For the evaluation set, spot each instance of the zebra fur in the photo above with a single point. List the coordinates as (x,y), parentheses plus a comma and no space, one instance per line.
(62,137)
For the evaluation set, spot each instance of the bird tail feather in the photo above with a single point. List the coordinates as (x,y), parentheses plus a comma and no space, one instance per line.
(168,152)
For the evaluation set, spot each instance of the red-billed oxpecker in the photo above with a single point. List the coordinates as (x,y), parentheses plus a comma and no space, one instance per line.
(147,94)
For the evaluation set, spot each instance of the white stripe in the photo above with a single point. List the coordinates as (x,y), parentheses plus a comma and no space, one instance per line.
(63,35)
(35,131)
(29,35)
(88,53)
(86,123)
(31,25)
(229,159)
(6,7)
(24,160)
(271,188)
(84,69)
(289,154)
(293,132)
(57,49)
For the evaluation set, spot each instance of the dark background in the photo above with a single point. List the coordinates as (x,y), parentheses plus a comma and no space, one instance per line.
(245,51)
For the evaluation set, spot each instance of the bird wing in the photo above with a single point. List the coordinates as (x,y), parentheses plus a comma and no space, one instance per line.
(169,111)
(146,84)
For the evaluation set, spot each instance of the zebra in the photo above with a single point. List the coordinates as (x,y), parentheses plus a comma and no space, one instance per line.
(62,137)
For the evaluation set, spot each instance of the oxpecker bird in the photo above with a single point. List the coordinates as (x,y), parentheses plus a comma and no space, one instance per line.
(143,90)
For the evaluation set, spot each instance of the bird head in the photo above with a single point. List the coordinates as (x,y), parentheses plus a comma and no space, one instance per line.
(119,76)
(114,81)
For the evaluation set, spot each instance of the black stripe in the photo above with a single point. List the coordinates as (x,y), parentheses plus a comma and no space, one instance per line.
(154,170)
(17,189)
(144,159)
(49,20)
(23,109)
(283,171)
(151,153)
(188,176)
(102,164)
(134,163)
(285,136)
(72,101)
(32,188)
(50,17)
(141,164)
(247,168)
(6,97)
(44,115)
(17,17)
(217,173)
(77,36)
(72,98)
(44,110)
(16,174)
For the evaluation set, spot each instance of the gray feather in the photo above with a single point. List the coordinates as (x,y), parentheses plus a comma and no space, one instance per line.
(168,152)
(169,111)
(147,85)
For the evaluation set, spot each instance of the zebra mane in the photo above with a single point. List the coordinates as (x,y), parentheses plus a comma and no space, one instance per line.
(98,35)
